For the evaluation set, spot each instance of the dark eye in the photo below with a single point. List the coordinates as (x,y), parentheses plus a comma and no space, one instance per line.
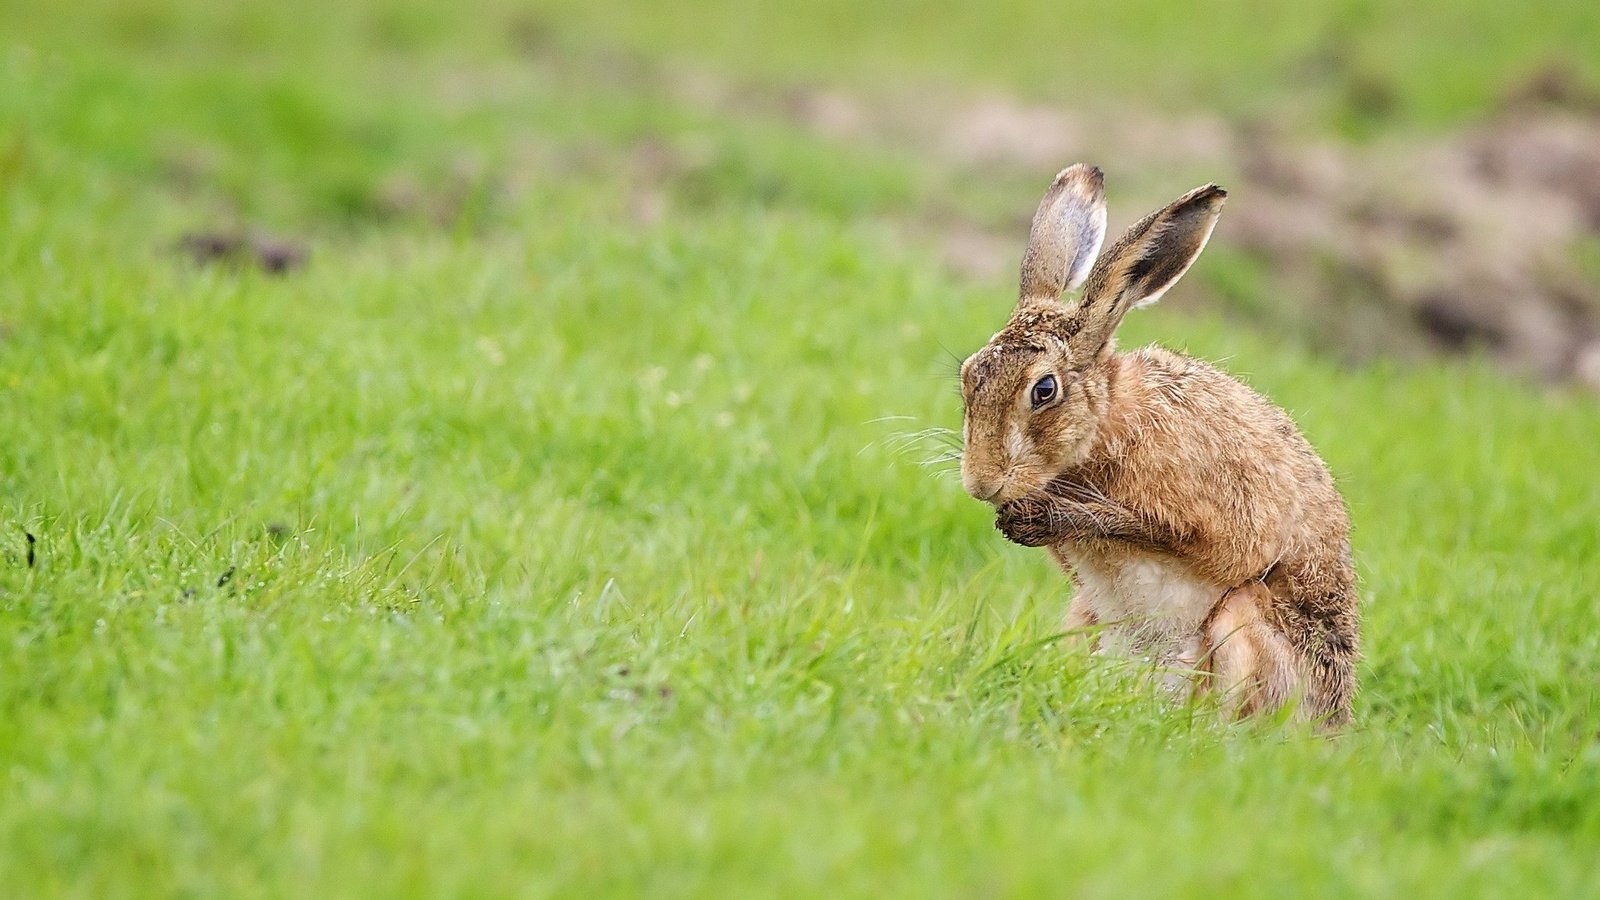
(1044,390)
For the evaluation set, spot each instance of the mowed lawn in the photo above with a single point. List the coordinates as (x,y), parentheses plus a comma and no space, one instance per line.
(556,532)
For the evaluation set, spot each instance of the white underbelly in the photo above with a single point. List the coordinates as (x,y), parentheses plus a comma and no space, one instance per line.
(1149,604)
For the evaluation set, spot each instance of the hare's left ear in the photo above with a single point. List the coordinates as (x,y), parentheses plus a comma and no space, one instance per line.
(1066,235)
(1147,260)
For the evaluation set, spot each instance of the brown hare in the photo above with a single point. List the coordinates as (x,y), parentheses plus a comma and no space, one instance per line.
(1199,527)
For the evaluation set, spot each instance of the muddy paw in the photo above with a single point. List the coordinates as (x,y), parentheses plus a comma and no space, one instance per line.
(1026,521)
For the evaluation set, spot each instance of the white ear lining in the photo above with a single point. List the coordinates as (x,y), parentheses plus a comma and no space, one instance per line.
(1067,232)
(1088,235)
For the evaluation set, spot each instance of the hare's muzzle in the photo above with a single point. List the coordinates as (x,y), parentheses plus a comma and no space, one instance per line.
(988,489)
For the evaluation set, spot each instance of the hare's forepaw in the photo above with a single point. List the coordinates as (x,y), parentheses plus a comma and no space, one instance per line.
(1027,521)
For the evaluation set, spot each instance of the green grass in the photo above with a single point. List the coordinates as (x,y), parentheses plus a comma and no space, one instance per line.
(542,551)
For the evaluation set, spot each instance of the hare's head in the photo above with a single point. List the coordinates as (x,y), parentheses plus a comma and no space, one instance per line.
(1036,393)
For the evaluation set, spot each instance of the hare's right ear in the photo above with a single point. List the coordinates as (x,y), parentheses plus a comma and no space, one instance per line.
(1066,235)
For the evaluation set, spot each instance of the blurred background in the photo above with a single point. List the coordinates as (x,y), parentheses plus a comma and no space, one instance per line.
(1409,179)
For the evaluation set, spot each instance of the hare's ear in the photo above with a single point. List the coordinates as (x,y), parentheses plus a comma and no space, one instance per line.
(1147,260)
(1066,235)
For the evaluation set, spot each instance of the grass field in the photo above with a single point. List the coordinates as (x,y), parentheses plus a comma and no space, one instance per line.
(529,542)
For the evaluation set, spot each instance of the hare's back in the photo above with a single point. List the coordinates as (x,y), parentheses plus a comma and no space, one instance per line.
(1208,452)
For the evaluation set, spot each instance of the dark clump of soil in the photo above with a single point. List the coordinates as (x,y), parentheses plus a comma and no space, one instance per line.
(275,256)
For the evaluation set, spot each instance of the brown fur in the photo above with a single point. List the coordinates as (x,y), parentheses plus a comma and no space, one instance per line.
(1178,499)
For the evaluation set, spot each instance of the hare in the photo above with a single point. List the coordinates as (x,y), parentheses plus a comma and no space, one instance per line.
(1200,529)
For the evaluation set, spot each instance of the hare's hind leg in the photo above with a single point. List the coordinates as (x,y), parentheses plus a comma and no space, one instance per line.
(1316,610)
(1251,663)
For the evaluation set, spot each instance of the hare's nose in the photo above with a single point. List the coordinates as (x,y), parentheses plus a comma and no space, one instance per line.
(983,490)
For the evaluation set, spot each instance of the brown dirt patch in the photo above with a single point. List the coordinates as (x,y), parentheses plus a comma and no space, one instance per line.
(1464,242)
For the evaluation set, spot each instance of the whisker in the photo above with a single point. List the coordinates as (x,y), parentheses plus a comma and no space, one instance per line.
(939,448)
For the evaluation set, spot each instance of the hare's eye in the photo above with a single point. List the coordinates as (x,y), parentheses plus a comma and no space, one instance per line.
(1044,390)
